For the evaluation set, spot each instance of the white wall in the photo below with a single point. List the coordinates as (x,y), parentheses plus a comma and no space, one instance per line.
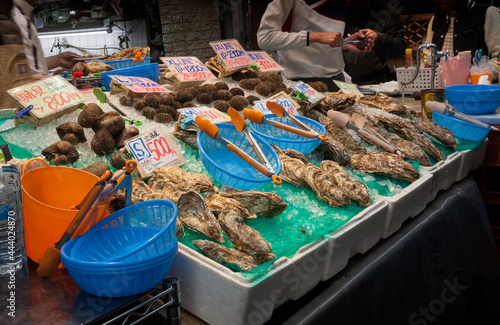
(93,40)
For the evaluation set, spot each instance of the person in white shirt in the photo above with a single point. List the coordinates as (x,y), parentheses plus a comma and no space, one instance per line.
(308,38)
(22,14)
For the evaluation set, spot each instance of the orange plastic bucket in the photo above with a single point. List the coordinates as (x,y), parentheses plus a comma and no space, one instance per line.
(49,197)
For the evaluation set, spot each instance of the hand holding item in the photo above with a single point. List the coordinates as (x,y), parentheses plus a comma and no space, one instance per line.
(350,43)
(333,39)
(66,59)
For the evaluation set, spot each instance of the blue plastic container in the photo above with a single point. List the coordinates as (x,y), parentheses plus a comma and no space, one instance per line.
(461,128)
(474,99)
(227,167)
(150,71)
(119,279)
(134,233)
(285,139)
(127,63)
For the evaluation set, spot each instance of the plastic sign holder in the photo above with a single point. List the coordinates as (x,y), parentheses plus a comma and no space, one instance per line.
(265,63)
(230,58)
(306,93)
(51,98)
(185,72)
(135,86)
(348,88)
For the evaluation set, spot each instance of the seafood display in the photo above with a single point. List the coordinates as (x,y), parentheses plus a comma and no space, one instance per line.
(384,163)
(225,255)
(263,204)
(187,181)
(325,187)
(439,132)
(195,214)
(217,203)
(386,103)
(244,238)
(339,101)
(341,135)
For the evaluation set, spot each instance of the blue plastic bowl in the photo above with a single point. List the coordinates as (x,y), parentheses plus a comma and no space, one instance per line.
(461,128)
(118,280)
(134,233)
(227,167)
(285,139)
(150,71)
(474,99)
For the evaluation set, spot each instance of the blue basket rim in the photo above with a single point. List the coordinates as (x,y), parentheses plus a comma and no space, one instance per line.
(137,206)
(122,60)
(460,121)
(264,143)
(300,117)
(75,263)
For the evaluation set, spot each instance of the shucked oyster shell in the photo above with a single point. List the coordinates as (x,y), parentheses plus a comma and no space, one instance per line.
(225,255)
(244,237)
(195,214)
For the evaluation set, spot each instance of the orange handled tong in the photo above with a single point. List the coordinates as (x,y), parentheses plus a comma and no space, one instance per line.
(280,111)
(212,131)
(241,126)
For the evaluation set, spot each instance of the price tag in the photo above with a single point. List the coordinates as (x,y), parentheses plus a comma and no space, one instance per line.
(348,88)
(188,68)
(232,54)
(308,92)
(265,62)
(261,106)
(153,149)
(48,96)
(139,84)
(211,114)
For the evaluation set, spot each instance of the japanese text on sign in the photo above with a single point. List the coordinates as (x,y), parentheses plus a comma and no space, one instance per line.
(261,106)
(47,95)
(348,88)
(232,54)
(188,68)
(312,95)
(264,61)
(212,115)
(140,84)
(152,150)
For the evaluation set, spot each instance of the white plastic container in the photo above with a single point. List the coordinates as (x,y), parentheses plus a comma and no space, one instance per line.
(471,160)
(444,173)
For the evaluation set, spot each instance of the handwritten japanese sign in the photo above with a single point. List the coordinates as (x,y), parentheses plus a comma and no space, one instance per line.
(348,88)
(312,95)
(188,68)
(232,54)
(139,84)
(153,149)
(48,96)
(212,115)
(261,106)
(265,62)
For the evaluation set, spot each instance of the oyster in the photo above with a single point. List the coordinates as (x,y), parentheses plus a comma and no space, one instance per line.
(263,204)
(339,101)
(187,181)
(71,132)
(325,187)
(357,190)
(162,188)
(225,255)
(296,154)
(411,150)
(195,214)
(244,237)
(217,203)
(386,103)
(186,136)
(61,153)
(384,163)
(340,134)
(439,132)
(291,169)
(332,149)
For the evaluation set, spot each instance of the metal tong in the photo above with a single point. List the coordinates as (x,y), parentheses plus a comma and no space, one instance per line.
(447,109)
(212,131)
(280,111)
(361,127)
(241,126)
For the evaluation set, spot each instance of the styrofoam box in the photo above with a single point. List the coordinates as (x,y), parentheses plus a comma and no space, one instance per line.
(408,203)
(470,160)
(443,173)
(220,296)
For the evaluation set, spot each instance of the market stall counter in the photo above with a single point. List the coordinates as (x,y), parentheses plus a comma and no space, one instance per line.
(441,267)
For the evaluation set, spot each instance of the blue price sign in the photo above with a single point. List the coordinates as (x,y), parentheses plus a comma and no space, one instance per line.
(139,150)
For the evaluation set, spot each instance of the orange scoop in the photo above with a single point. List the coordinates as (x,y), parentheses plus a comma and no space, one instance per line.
(258,118)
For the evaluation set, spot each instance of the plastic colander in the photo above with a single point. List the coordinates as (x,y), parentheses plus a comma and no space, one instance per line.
(134,233)
(285,139)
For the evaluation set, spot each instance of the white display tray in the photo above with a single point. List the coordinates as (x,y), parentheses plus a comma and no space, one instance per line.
(443,173)
(220,296)
(471,159)
(408,203)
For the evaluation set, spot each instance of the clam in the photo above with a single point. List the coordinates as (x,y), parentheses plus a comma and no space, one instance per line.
(103,142)
(97,168)
(127,133)
(71,132)
(89,115)
(61,153)
(111,121)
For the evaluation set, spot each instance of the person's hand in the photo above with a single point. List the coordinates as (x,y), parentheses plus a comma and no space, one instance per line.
(369,33)
(333,39)
(354,47)
(66,59)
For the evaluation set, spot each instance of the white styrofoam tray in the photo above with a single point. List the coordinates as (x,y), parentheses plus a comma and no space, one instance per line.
(470,160)
(443,173)
(220,296)
(408,203)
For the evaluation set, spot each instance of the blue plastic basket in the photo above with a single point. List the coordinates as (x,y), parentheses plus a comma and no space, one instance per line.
(150,71)
(134,233)
(117,279)
(285,139)
(474,99)
(461,128)
(127,63)
(227,167)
